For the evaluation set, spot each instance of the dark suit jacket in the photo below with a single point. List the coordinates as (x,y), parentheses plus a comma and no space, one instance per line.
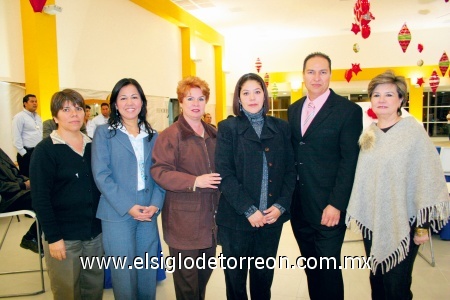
(325,157)
(12,185)
(239,161)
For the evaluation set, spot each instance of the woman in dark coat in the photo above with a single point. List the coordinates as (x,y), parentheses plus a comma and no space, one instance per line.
(255,159)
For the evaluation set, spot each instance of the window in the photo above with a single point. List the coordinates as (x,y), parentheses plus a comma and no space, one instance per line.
(435,110)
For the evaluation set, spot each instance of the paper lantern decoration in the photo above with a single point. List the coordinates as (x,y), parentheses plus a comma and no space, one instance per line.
(258,64)
(434,81)
(404,37)
(266,79)
(37,5)
(420,48)
(348,75)
(356,68)
(274,91)
(443,64)
(365,31)
(420,62)
(371,113)
(420,81)
(355,48)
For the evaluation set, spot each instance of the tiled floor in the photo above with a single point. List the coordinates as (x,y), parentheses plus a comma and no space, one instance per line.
(428,282)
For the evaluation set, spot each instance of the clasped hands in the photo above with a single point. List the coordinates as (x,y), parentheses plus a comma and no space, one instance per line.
(270,216)
(143,213)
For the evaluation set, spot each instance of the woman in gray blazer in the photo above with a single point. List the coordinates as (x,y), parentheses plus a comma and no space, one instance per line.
(130,199)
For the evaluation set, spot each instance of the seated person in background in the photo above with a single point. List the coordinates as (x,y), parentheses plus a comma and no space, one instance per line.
(15,195)
(50,125)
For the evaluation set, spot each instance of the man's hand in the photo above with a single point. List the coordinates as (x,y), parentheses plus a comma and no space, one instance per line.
(330,216)
(27,185)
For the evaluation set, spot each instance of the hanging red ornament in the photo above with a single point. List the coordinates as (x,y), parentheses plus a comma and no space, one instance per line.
(266,79)
(434,81)
(355,28)
(420,81)
(258,64)
(443,64)
(365,31)
(356,68)
(404,37)
(37,5)
(348,75)
(371,113)
(420,48)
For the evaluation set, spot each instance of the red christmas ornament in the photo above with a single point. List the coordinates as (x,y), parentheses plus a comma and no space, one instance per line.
(258,64)
(365,31)
(371,113)
(355,28)
(348,75)
(356,68)
(266,79)
(420,81)
(37,5)
(444,64)
(434,81)
(420,48)
(404,37)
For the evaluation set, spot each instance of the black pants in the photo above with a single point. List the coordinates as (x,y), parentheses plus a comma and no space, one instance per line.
(395,284)
(190,283)
(316,241)
(24,162)
(237,244)
(21,203)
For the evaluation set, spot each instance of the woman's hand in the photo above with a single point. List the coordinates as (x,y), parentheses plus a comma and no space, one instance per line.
(257,219)
(271,215)
(211,180)
(141,213)
(58,250)
(419,240)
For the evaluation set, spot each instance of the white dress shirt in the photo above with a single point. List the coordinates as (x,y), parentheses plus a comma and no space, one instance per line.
(26,130)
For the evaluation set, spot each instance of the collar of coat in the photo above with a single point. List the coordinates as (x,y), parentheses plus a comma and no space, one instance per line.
(186,130)
(244,127)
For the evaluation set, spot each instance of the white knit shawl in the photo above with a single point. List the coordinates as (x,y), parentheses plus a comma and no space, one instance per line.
(398,181)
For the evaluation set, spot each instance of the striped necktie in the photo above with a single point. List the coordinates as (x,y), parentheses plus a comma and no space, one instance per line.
(310,112)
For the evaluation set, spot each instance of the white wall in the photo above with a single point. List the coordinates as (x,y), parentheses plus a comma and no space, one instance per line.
(11,50)
(102,41)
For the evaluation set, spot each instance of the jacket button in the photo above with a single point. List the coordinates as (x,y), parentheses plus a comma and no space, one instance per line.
(270,180)
(270,164)
(267,149)
(146,190)
(301,143)
(270,195)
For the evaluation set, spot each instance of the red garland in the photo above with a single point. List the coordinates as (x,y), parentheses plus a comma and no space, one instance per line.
(371,114)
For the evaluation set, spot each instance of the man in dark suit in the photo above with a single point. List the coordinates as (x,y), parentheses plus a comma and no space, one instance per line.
(325,130)
(15,195)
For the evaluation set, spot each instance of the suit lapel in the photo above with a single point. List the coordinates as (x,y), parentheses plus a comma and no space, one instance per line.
(124,140)
(244,127)
(296,119)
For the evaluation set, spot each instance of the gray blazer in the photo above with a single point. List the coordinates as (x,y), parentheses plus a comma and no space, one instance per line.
(114,167)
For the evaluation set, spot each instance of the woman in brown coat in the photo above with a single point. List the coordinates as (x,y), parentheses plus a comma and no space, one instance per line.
(183,164)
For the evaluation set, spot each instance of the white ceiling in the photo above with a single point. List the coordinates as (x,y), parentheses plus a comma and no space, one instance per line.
(312,18)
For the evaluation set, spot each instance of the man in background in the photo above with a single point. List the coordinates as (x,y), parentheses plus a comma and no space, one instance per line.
(208,119)
(100,119)
(26,132)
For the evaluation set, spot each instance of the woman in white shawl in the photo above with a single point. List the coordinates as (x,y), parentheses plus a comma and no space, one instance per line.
(399,190)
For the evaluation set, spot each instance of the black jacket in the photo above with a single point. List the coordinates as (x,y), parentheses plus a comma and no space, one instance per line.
(239,161)
(12,183)
(325,156)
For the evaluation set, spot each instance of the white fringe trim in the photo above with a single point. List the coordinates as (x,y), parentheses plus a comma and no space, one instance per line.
(437,215)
